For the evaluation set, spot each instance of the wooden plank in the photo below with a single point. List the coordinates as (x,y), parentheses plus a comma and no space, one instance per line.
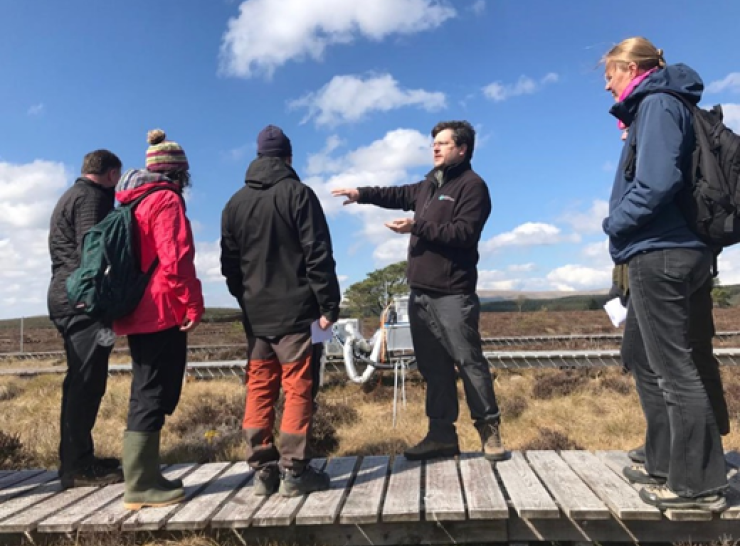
(110,517)
(280,511)
(617,460)
(528,496)
(621,499)
(69,518)
(403,498)
(576,500)
(364,500)
(27,519)
(28,493)
(322,507)
(483,494)
(239,509)
(443,500)
(153,519)
(12,478)
(26,484)
(197,513)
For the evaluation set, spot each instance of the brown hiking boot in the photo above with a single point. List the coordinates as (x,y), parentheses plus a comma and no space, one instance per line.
(490,436)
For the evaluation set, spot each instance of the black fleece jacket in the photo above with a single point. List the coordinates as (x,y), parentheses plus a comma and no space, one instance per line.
(276,252)
(78,209)
(451,206)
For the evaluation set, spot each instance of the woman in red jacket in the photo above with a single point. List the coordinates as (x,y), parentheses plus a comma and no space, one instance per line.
(172,306)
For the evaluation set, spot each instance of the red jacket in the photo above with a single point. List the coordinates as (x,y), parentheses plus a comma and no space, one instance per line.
(174,291)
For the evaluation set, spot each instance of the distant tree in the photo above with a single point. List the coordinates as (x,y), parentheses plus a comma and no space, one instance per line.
(593,304)
(720,294)
(368,298)
(521,300)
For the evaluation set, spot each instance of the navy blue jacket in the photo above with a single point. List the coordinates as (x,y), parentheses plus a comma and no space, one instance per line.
(643,212)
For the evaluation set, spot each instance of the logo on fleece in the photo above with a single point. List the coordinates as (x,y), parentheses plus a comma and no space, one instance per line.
(446,198)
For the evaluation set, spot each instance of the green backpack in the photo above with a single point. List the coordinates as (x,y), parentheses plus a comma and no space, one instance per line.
(109,282)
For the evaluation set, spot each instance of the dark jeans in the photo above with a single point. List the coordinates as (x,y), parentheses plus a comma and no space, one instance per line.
(701,332)
(87,344)
(670,296)
(158,361)
(444,330)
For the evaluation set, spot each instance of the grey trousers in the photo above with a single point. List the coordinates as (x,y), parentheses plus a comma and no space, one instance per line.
(444,330)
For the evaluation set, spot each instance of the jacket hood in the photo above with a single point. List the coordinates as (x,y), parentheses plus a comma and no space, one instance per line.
(265,172)
(677,78)
(134,182)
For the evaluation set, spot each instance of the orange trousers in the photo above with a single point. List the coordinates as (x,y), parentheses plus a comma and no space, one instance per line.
(276,362)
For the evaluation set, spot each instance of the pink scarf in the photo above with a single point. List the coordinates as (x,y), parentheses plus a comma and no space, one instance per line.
(637,80)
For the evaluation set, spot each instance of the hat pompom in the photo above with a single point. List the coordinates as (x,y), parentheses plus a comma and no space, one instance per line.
(155,136)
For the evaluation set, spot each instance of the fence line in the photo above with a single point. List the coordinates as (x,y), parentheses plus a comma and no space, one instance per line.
(498,360)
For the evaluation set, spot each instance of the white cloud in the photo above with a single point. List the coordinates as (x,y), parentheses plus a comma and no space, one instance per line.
(731,82)
(732,116)
(525,85)
(496,280)
(577,277)
(478,7)
(392,250)
(28,193)
(385,162)
(728,265)
(208,261)
(588,222)
(522,268)
(350,98)
(36,109)
(268,33)
(530,234)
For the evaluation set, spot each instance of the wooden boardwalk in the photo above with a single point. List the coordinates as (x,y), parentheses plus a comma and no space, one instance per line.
(534,496)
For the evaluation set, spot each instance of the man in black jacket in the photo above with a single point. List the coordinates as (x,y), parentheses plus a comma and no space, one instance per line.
(276,255)
(450,207)
(87,342)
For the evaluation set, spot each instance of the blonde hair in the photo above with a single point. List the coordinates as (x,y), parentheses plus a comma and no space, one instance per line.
(636,50)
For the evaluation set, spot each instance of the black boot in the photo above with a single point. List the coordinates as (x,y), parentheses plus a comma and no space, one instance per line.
(431,449)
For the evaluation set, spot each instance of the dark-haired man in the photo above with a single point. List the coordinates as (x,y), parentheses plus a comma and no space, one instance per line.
(451,206)
(87,341)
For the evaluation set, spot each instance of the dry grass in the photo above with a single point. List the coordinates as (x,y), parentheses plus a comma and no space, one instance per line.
(590,409)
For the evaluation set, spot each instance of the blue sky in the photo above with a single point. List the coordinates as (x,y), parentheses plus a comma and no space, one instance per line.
(357,86)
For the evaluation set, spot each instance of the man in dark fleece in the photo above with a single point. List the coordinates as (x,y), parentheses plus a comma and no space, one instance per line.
(669,268)
(87,342)
(276,255)
(451,206)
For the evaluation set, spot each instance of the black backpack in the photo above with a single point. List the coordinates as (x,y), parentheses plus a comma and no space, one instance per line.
(109,283)
(710,200)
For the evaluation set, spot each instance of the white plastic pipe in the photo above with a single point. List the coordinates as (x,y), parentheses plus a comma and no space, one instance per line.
(349,358)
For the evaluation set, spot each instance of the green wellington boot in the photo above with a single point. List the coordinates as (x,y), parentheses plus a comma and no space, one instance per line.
(142,476)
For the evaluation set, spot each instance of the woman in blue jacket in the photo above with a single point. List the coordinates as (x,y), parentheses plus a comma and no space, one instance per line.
(670,277)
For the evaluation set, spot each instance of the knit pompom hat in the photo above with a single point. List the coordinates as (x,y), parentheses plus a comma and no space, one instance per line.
(164,155)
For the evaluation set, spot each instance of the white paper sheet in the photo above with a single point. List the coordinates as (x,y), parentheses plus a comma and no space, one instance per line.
(616,311)
(318,335)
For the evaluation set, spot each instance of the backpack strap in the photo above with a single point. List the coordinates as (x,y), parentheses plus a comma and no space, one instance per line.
(135,202)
